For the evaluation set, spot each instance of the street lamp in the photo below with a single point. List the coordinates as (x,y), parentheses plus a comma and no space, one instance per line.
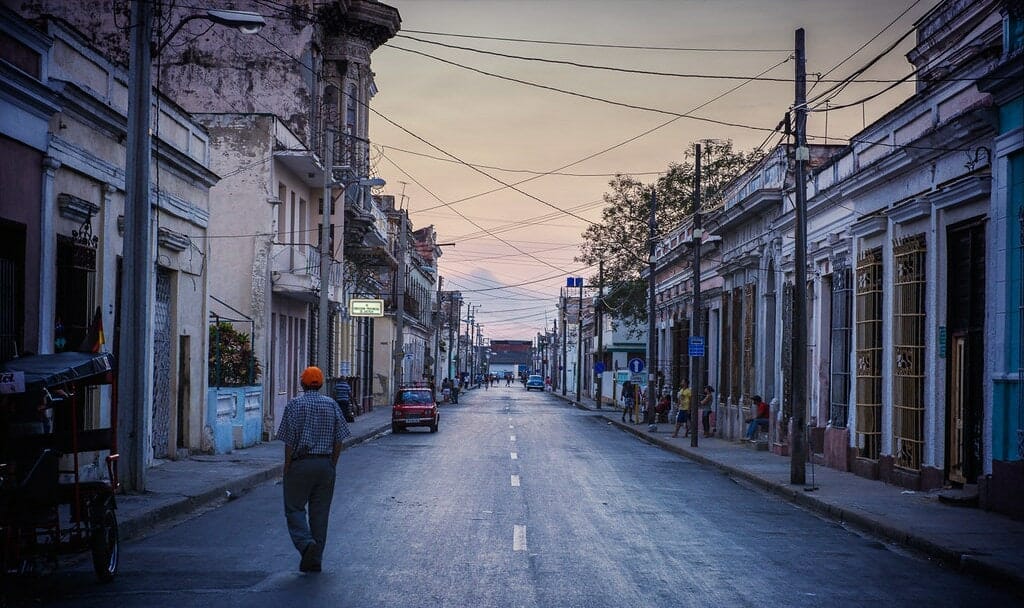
(323,318)
(135,343)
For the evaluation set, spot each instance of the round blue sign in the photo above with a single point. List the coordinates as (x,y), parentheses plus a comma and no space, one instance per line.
(599,367)
(636,365)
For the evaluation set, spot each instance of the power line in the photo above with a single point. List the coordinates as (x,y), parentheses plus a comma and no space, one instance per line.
(872,39)
(507,170)
(589,66)
(581,95)
(597,45)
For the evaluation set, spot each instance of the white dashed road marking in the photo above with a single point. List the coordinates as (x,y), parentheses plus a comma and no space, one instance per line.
(515,456)
(515,481)
(519,538)
(512,438)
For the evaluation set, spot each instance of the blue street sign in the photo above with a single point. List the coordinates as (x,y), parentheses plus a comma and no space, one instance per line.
(574,281)
(636,365)
(696,344)
(599,367)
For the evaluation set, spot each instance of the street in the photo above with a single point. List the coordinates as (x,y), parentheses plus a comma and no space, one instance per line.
(520,500)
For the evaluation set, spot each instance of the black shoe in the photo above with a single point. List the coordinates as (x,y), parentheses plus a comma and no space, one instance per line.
(309,561)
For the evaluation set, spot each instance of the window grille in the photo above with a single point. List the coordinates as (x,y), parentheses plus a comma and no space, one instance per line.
(737,336)
(908,351)
(840,356)
(749,336)
(869,353)
(726,358)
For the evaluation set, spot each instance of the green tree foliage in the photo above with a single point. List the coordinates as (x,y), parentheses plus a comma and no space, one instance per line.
(621,238)
(231,357)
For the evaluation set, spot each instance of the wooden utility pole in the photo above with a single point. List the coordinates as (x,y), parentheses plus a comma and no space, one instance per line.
(652,339)
(695,324)
(798,447)
(599,311)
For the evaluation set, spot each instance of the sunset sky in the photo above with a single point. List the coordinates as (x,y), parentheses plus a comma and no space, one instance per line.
(512,251)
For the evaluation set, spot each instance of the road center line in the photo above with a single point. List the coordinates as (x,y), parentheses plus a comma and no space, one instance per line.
(519,538)
(515,456)
(512,438)
(515,481)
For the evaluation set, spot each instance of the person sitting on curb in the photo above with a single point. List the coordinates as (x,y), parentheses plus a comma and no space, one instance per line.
(760,418)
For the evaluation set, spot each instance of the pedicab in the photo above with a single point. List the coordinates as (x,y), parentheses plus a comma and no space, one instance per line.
(49,506)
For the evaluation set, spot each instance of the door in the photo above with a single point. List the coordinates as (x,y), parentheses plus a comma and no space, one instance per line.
(162,365)
(965,352)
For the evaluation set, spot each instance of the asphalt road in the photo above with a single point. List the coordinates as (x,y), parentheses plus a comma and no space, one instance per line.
(521,501)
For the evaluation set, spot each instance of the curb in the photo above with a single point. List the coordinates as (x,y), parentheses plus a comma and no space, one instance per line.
(142,522)
(967,563)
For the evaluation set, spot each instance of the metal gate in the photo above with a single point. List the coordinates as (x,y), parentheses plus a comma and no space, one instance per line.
(162,365)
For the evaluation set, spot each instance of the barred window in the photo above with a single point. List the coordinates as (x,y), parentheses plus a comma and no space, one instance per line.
(908,351)
(869,353)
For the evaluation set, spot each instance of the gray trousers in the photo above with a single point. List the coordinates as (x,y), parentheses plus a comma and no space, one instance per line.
(308,481)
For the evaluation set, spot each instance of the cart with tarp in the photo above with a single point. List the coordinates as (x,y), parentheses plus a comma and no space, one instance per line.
(48,507)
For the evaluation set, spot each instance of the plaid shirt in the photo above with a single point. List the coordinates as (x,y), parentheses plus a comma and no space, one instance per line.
(312,424)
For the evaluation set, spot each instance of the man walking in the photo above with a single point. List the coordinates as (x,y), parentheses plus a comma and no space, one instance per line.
(312,430)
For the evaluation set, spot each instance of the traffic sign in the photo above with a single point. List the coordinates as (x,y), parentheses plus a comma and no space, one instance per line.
(599,367)
(636,365)
(696,344)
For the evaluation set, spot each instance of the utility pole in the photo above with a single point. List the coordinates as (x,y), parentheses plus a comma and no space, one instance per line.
(399,363)
(652,339)
(323,330)
(435,375)
(798,447)
(135,340)
(600,329)
(564,345)
(579,343)
(448,372)
(696,327)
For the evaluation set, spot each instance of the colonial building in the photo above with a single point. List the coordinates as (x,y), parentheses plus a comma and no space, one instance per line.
(63,119)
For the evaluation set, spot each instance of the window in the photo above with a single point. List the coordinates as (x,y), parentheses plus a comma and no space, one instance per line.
(908,351)
(869,353)
(840,352)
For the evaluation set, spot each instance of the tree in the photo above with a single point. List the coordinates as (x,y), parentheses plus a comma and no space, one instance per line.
(621,238)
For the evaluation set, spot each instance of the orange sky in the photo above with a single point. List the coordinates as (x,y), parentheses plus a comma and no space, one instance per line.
(510,126)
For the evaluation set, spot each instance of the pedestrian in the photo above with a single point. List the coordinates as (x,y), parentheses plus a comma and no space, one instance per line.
(312,430)
(627,401)
(683,415)
(456,388)
(343,395)
(760,419)
(706,403)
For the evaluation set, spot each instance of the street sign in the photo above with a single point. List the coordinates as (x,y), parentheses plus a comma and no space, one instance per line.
(636,365)
(599,367)
(640,378)
(362,307)
(621,376)
(696,344)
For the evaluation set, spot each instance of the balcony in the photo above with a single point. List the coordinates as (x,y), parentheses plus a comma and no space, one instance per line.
(295,271)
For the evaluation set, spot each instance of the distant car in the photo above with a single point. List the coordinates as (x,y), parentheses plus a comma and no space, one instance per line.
(414,407)
(535,382)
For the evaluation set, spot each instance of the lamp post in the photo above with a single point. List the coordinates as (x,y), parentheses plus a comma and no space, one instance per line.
(652,344)
(135,337)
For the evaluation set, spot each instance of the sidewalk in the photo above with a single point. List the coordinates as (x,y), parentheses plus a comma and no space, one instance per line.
(967,539)
(175,488)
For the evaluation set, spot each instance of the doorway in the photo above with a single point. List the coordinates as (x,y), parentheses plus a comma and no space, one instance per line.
(964,351)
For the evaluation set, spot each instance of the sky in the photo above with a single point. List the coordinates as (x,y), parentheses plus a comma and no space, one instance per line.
(513,248)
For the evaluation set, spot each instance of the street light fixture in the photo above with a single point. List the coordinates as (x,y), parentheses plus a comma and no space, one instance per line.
(135,342)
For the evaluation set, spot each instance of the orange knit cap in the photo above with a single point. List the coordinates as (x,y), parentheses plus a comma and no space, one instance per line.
(312,377)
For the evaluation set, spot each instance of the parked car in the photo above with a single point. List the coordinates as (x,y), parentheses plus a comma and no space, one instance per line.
(535,382)
(414,406)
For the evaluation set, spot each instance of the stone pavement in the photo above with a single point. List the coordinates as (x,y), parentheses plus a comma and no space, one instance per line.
(176,488)
(964,538)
